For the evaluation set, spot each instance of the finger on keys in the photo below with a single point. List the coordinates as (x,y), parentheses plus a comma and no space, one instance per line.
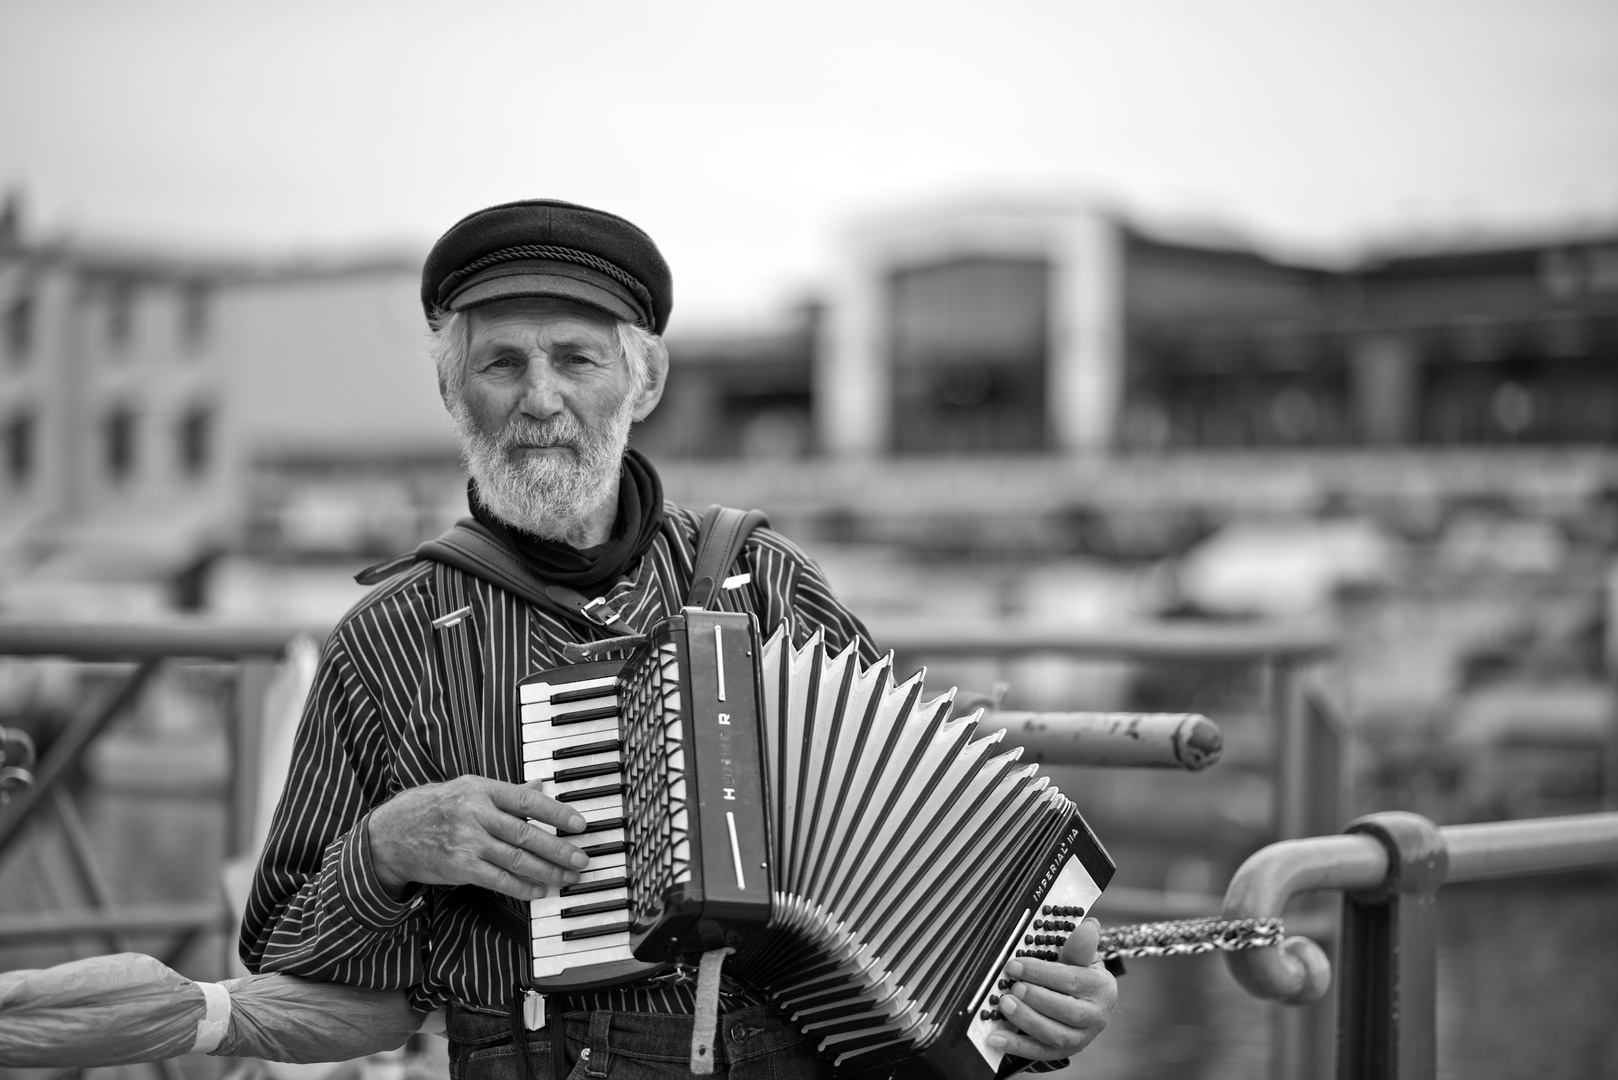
(1081,945)
(532,851)
(528,801)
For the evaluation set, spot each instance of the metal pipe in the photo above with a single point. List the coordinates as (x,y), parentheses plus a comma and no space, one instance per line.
(1130,641)
(1539,846)
(136,919)
(154,639)
(1296,971)
(1135,740)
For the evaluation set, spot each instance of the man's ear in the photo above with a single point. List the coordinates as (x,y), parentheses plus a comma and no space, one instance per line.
(657,373)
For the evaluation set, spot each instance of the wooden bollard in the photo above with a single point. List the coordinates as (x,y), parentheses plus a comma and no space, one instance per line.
(1128,740)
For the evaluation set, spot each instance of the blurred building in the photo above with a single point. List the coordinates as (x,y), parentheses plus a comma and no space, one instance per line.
(1032,329)
(1046,375)
(139,392)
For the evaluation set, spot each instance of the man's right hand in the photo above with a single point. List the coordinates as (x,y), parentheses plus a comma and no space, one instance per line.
(474,831)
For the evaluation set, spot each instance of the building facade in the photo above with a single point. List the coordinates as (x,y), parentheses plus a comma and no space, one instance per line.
(139,393)
(1066,330)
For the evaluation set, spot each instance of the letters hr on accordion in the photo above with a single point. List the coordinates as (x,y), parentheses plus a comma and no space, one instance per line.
(873,863)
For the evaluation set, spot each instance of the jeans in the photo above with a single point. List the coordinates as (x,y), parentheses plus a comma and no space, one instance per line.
(752,1044)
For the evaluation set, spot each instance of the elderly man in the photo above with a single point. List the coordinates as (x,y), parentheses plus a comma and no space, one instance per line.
(405,784)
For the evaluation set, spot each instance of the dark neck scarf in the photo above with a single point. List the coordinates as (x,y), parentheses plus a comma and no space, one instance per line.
(592,570)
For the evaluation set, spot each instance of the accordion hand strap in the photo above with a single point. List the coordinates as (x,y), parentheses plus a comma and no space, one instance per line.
(705,1019)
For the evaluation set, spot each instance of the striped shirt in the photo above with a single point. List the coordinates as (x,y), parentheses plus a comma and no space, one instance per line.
(388,710)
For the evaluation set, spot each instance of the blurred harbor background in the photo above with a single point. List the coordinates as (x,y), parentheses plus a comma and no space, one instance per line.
(1060,398)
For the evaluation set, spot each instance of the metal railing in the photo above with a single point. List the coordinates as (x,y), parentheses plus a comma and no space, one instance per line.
(1389,868)
(1173,741)
(1306,741)
(134,653)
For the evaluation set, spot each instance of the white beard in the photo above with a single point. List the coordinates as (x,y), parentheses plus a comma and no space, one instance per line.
(548,495)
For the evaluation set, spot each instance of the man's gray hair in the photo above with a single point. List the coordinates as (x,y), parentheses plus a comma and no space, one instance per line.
(450,337)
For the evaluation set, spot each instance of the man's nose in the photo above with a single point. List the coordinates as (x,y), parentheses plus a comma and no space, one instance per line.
(542,389)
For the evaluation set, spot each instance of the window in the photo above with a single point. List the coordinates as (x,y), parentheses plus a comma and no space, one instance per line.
(118,443)
(19,449)
(120,313)
(193,437)
(19,329)
(194,310)
(969,345)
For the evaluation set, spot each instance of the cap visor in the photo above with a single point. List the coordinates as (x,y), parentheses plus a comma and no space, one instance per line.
(512,286)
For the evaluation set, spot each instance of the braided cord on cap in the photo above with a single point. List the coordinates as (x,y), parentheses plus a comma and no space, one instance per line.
(560,254)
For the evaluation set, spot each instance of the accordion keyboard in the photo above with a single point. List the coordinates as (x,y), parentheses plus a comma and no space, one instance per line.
(571,745)
(1041,933)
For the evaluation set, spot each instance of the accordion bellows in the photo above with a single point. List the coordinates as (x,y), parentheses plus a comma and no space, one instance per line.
(902,856)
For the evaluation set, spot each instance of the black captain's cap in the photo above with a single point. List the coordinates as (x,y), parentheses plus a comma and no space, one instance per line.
(546,247)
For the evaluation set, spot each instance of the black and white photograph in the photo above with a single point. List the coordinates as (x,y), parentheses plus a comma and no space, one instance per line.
(840,541)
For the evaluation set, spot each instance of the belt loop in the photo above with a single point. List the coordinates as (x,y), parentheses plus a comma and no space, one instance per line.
(600,1052)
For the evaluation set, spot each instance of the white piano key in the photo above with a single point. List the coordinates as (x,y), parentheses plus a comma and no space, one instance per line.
(552,710)
(555,964)
(554,926)
(542,730)
(599,807)
(540,690)
(605,866)
(550,765)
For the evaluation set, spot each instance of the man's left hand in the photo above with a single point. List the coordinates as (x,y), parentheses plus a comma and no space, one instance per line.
(1058,1005)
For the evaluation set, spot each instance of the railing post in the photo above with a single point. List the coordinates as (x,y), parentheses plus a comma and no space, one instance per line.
(244,733)
(1301,1039)
(1388,957)
(1290,721)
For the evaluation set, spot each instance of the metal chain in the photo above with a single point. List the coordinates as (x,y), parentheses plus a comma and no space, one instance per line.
(16,763)
(1187,937)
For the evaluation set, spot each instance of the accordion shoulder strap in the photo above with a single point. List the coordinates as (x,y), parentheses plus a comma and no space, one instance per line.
(720,539)
(469,547)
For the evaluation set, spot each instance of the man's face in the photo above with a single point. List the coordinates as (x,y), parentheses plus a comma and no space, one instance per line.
(544,411)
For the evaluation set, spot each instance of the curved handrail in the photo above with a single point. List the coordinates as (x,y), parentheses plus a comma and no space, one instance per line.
(1297,971)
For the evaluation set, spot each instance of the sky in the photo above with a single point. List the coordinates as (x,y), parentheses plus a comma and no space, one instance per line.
(748,138)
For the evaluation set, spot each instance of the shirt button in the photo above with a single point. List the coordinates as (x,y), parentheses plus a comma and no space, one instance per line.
(738,1033)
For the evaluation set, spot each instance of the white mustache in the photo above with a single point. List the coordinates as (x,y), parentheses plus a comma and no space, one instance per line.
(561,430)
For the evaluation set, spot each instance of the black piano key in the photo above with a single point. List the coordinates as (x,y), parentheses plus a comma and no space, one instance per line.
(595,931)
(606,824)
(606,746)
(596,908)
(583,693)
(581,794)
(595,886)
(611,847)
(584,714)
(585,772)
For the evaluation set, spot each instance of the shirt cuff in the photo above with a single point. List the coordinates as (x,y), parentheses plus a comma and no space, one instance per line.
(361,889)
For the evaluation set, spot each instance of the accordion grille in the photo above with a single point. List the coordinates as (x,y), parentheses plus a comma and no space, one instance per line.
(657,808)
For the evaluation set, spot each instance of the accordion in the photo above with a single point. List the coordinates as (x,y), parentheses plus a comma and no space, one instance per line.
(872,861)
